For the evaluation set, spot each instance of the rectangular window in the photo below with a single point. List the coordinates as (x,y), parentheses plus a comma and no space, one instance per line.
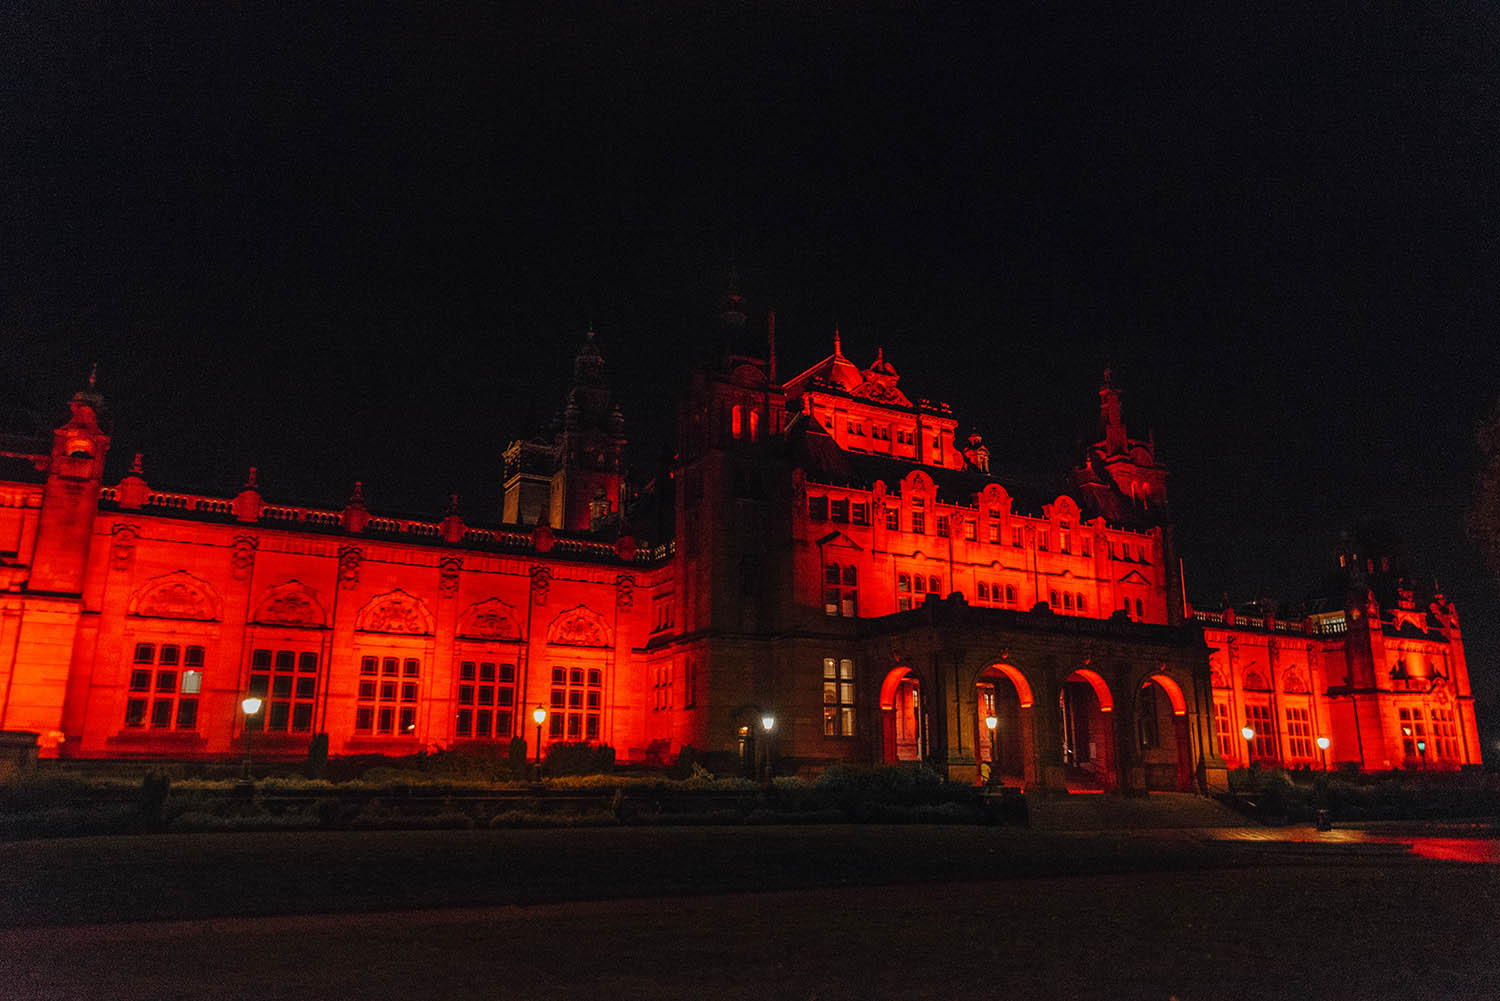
(919,515)
(390,708)
(1258,718)
(1298,733)
(577,701)
(288,681)
(903,592)
(838,697)
(892,519)
(1413,729)
(859,513)
(840,590)
(1041,541)
(838,510)
(969,529)
(942,526)
(817,508)
(1017,537)
(1221,730)
(486,700)
(164,697)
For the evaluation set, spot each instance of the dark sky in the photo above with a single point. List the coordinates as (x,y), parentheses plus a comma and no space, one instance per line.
(365,243)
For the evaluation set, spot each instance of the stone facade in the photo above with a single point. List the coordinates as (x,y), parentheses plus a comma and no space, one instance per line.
(830,572)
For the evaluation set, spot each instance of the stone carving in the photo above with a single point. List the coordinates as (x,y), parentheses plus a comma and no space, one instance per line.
(491,619)
(177,595)
(541,583)
(123,550)
(1293,684)
(395,612)
(350,558)
(579,626)
(448,576)
(1216,678)
(242,557)
(624,592)
(291,603)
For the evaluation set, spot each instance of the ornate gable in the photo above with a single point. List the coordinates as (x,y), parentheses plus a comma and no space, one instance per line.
(177,595)
(395,612)
(290,603)
(579,626)
(491,619)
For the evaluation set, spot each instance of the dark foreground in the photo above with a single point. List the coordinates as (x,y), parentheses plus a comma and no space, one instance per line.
(839,912)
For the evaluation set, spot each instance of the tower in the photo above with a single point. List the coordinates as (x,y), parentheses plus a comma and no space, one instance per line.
(70,498)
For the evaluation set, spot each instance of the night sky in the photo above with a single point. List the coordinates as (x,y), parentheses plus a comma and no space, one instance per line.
(366,244)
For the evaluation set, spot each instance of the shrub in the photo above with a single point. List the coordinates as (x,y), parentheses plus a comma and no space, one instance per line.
(579,759)
(317,756)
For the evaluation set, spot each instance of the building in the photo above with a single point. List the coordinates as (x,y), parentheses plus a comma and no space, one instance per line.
(830,572)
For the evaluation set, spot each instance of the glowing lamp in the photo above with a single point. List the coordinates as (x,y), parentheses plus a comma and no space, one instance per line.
(1422,746)
(251,705)
(1248,732)
(767,722)
(1323,743)
(990,723)
(540,716)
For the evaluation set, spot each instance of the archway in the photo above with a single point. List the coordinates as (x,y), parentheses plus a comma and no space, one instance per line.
(1004,754)
(1088,740)
(1161,735)
(902,733)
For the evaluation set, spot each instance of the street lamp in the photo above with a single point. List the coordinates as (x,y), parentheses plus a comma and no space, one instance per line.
(1323,750)
(1248,732)
(990,722)
(540,716)
(1422,753)
(768,723)
(250,705)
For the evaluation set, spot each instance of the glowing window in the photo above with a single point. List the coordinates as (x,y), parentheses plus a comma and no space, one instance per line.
(161,696)
(389,709)
(838,697)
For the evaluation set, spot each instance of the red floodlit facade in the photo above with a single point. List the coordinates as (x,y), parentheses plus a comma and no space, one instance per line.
(826,555)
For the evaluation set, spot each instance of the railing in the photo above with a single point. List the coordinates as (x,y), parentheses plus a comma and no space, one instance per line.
(289,516)
(1317,625)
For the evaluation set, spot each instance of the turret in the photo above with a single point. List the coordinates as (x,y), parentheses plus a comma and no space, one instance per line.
(70,498)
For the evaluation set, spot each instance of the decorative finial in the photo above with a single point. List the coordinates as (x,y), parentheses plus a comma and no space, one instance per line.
(453,504)
(1107,373)
(250,480)
(93,374)
(135,467)
(358,497)
(838,350)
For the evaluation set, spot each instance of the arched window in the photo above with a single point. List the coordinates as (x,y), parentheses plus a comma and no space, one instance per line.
(1068,600)
(932,586)
(1138,613)
(737,421)
(754,425)
(1010,594)
(984,591)
(921,584)
(903,592)
(1078,603)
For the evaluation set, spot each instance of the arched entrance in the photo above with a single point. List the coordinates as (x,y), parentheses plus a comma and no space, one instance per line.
(1161,735)
(1004,753)
(902,729)
(1088,741)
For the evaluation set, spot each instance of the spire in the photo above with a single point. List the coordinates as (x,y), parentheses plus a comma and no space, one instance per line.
(93,375)
(838,349)
(1111,419)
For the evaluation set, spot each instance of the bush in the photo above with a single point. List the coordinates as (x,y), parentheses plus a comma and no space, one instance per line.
(579,759)
(317,756)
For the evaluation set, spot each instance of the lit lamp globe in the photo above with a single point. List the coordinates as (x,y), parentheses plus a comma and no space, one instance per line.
(250,705)
(767,722)
(539,715)
(990,723)
(1248,732)
(1323,743)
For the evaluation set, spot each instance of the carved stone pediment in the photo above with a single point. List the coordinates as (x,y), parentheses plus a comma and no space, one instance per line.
(177,595)
(395,612)
(291,603)
(491,619)
(579,626)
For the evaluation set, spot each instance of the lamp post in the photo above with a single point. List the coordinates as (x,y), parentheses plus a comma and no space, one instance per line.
(1422,753)
(768,723)
(1248,732)
(990,722)
(250,705)
(1323,750)
(540,716)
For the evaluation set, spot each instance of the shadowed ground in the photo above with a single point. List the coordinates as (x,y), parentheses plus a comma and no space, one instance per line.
(800,912)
